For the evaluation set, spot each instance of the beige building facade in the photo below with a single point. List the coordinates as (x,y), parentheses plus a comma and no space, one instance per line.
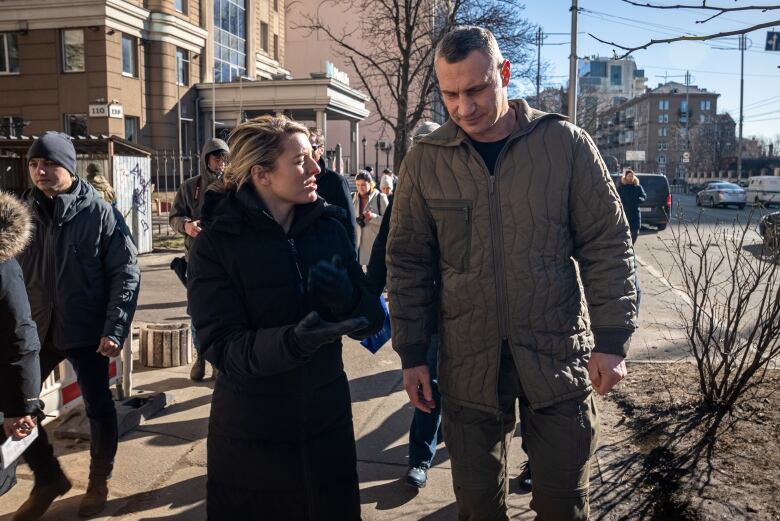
(129,68)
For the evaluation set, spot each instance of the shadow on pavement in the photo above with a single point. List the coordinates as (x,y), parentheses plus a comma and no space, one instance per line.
(379,385)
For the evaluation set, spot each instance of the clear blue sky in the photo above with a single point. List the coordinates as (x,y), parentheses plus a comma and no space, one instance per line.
(714,65)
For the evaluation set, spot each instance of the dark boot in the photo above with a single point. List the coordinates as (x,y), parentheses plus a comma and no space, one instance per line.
(198,370)
(94,500)
(42,496)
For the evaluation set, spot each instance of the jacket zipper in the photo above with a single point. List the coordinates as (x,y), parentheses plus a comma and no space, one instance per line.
(294,255)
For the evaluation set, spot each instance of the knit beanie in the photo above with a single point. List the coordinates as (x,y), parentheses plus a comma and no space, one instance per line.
(56,147)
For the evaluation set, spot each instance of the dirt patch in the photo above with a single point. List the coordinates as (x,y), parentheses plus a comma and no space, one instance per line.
(657,461)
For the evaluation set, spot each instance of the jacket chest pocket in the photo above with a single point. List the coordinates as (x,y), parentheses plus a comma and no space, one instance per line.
(453,230)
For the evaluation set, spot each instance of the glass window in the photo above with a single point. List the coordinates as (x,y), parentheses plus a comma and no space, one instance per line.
(73,50)
(662,159)
(276,47)
(230,39)
(129,56)
(181,6)
(598,69)
(264,36)
(615,75)
(9,53)
(131,128)
(76,125)
(276,5)
(683,106)
(182,66)
(662,131)
(11,126)
(663,104)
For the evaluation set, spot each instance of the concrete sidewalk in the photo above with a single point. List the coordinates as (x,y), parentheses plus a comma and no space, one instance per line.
(160,471)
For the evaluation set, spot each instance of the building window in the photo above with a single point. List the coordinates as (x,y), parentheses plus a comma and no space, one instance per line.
(598,69)
(615,75)
(276,47)
(663,118)
(129,56)
(131,128)
(181,6)
(229,40)
(705,105)
(702,118)
(73,50)
(663,132)
(76,125)
(9,53)
(661,159)
(276,5)
(11,126)
(264,36)
(663,104)
(661,146)
(182,66)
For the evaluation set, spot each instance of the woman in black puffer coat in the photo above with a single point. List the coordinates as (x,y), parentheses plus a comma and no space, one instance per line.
(631,194)
(273,284)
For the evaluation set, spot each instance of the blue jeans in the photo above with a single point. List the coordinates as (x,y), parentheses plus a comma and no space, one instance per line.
(92,375)
(425,432)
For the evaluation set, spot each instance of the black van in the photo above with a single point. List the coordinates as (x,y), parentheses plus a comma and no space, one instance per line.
(658,206)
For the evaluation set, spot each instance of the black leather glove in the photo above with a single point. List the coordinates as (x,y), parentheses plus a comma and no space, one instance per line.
(329,281)
(312,332)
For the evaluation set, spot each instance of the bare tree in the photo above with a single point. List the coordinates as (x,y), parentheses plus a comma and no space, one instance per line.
(712,142)
(732,313)
(718,11)
(391,51)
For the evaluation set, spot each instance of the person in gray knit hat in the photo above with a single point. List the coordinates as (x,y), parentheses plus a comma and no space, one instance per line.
(185,218)
(82,280)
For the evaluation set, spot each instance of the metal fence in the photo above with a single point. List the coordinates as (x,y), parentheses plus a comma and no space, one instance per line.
(169,170)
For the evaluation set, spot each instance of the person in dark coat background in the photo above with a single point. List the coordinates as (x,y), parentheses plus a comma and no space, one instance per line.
(332,186)
(631,194)
(273,284)
(20,374)
(82,279)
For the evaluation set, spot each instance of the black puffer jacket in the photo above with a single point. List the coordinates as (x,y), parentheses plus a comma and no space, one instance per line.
(20,374)
(80,269)
(281,444)
(333,187)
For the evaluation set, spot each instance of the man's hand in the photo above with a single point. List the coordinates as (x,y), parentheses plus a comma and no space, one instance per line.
(605,371)
(192,228)
(18,428)
(417,382)
(108,347)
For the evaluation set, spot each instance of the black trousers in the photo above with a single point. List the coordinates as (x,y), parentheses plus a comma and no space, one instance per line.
(92,376)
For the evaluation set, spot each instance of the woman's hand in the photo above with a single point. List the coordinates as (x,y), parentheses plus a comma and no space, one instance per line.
(329,281)
(368,215)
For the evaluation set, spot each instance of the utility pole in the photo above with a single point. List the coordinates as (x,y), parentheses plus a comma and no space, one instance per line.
(539,36)
(687,122)
(742,45)
(573,65)
(180,163)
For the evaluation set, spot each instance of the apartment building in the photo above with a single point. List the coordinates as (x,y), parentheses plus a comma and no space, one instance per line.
(129,67)
(652,132)
(606,82)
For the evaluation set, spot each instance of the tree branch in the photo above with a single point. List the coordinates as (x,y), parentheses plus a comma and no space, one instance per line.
(704,6)
(703,37)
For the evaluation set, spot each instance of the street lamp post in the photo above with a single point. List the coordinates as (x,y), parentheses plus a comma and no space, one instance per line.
(365,159)
(376,157)
(388,148)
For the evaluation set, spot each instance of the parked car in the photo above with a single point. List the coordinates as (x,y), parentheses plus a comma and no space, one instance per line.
(763,189)
(722,194)
(657,208)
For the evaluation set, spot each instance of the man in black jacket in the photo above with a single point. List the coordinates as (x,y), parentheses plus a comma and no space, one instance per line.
(82,279)
(20,377)
(332,186)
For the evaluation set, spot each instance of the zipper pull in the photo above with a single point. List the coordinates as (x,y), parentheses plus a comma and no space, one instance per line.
(294,253)
(492,182)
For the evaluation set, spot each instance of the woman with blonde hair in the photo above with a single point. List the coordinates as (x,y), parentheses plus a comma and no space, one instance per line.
(273,284)
(631,194)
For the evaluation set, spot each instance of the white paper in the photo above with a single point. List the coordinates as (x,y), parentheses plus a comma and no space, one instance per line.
(12,449)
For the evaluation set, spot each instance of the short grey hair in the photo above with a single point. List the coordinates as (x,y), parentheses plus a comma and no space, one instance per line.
(457,44)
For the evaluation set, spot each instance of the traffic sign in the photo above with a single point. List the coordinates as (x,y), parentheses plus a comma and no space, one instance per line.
(772,41)
(686,157)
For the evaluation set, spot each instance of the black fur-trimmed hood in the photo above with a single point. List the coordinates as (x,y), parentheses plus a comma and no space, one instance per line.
(15,226)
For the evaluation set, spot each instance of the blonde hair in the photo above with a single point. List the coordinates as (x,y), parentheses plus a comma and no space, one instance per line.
(623,181)
(259,141)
